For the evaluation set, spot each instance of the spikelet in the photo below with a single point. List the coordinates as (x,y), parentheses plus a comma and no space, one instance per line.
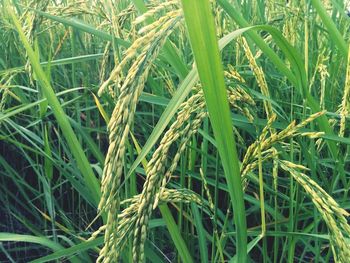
(345,105)
(159,22)
(71,9)
(5,82)
(232,73)
(313,135)
(153,11)
(207,191)
(105,59)
(140,49)
(322,69)
(260,77)
(241,101)
(309,119)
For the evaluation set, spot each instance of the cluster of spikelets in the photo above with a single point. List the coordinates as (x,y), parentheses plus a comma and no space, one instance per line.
(128,216)
(265,144)
(344,109)
(260,77)
(333,215)
(72,9)
(126,91)
(125,88)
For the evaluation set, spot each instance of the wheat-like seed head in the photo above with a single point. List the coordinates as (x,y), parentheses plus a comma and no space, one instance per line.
(331,212)
(157,176)
(121,121)
(260,77)
(127,219)
(155,170)
(345,104)
(266,143)
(232,73)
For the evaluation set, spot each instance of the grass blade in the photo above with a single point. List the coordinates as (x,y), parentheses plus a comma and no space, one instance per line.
(201,234)
(79,25)
(175,234)
(65,252)
(33,239)
(201,29)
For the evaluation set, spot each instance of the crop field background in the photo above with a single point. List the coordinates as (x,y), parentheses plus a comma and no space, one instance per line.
(174,131)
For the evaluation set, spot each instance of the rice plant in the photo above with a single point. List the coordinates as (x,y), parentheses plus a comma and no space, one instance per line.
(174,131)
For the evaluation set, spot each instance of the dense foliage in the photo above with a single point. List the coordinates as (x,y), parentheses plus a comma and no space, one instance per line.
(174,131)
